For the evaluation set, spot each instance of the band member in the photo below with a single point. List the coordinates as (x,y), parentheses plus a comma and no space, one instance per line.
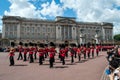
(97,50)
(31,49)
(20,48)
(84,51)
(92,50)
(46,50)
(41,53)
(25,52)
(62,53)
(59,56)
(66,50)
(72,54)
(11,55)
(35,51)
(88,52)
(75,50)
(51,54)
(79,52)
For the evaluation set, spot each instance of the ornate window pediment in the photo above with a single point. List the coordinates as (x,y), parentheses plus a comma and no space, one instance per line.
(66,21)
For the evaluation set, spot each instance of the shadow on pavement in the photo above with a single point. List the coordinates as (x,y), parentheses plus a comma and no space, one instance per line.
(60,66)
(70,64)
(82,61)
(21,65)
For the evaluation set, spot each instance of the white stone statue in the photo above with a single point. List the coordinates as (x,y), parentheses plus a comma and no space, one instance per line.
(96,38)
(81,39)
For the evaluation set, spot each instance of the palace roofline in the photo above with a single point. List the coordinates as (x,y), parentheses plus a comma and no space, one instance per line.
(61,17)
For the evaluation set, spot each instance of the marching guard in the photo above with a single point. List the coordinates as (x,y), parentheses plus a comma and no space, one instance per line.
(41,53)
(51,54)
(20,48)
(84,51)
(62,53)
(25,52)
(79,52)
(35,51)
(88,52)
(11,55)
(31,49)
(97,50)
(72,54)
(92,50)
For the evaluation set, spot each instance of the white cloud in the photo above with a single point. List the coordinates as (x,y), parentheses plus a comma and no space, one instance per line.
(22,8)
(26,9)
(51,9)
(90,10)
(95,10)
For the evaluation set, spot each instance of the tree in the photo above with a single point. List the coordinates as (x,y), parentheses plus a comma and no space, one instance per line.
(117,37)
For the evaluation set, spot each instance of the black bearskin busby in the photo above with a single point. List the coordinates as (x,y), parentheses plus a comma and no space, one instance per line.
(20,43)
(41,45)
(30,44)
(52,44)
(12,44)
(26,44)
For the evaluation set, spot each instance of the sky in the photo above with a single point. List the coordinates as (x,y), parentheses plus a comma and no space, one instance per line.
(82,10)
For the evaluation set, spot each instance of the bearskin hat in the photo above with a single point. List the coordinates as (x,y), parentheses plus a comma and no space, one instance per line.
(20,43)
(41,45)
(30,44)
(12,44)
(35,44)
(52,44)
(26,44)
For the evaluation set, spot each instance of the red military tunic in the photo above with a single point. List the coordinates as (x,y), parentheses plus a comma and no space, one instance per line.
(78,50)
(35,49)
(97,49)
(20,49)
(84,50)
(26,50)
(31,50)
(62,52)
(41,52)
(52,52)
(88,50)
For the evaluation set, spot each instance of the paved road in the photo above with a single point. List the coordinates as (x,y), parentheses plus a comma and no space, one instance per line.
(91,69)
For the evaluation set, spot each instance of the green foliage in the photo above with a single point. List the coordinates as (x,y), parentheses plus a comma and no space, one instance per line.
(117,37)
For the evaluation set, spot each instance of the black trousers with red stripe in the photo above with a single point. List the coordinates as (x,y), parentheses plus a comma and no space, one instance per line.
(11,58)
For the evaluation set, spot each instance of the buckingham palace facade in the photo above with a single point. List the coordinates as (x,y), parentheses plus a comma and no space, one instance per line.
(19,29)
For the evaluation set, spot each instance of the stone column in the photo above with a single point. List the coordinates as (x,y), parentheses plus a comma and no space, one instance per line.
(3,31)
(18,31)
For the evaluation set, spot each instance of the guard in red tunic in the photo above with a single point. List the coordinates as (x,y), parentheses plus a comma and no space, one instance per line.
(20,48)
(41,53)
(75,50)
(97,50)
(66,50)
(31,50)
(35,51)
(92,50)
(51,54)
(11,55)
(72,54)
(46,50)
(25,52)
(79,52)
(88,52)
(84,51)
(62,53)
